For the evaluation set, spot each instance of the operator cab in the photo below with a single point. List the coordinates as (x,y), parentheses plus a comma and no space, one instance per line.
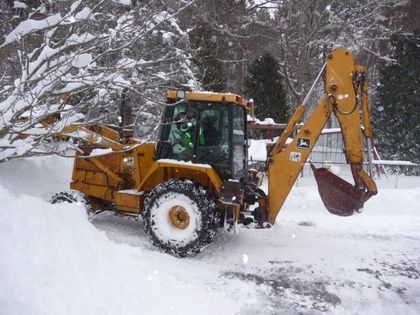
(206,128)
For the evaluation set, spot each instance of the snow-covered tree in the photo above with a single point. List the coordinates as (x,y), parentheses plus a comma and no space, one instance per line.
(207,51)
(234,33)
(301,33)
(397,112)
(72,59)
(264,84)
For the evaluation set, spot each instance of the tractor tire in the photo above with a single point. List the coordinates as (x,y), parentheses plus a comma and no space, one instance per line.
(73,196)
(181,217)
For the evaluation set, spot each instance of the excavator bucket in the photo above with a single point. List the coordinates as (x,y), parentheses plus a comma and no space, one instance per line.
(339,197)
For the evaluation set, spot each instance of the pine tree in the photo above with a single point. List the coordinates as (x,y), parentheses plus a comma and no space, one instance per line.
(397,114)
(263,84)
(212,75)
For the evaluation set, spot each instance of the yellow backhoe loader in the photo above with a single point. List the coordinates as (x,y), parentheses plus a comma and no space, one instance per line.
(195,178)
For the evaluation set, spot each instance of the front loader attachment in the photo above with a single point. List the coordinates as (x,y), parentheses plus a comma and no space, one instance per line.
(339,197)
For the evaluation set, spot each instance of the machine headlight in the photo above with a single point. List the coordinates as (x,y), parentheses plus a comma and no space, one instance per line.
(129,161)
(180,94)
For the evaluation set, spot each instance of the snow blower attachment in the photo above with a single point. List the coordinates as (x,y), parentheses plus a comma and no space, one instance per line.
(196,179)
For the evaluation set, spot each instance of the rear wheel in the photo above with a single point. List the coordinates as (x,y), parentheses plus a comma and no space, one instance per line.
(73,196)
(181,217)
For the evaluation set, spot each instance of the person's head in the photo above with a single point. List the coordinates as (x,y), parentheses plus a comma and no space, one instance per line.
(184,121)
(180,119)
(208,122)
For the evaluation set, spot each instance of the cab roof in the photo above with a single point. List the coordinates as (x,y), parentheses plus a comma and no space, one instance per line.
(207,97)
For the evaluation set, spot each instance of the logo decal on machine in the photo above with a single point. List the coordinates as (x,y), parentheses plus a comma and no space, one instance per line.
(303,143)
(295,156)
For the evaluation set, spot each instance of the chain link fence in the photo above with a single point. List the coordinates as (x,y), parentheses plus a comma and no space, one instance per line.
(386,175)
(329,153)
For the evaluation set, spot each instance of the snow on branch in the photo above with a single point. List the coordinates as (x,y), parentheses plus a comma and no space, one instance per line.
(30,25)
(64,70)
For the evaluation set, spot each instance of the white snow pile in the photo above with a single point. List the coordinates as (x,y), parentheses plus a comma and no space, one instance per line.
(53,261)
(257,150)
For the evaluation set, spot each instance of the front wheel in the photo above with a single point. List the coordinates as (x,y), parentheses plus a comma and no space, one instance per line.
(181,217)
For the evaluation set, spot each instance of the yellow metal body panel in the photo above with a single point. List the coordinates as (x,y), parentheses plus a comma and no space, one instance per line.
(339,84)
(98,170)
(203,174)
(143,162)
(100,192)
(97,134)
(285,166)
(111,160)
(163,170)
(368,182)
(128,202)
(96,178)
(209,97)
(297,115)
(109,177)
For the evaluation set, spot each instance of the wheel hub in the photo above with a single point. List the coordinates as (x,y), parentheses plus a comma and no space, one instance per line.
(179,217)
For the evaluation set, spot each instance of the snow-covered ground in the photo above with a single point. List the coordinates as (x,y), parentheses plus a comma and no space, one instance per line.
(53,261)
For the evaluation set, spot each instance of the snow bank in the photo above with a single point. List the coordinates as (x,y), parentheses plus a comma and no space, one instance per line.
(53,261)
(58,263)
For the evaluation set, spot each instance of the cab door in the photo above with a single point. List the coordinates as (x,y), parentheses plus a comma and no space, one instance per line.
(239,143)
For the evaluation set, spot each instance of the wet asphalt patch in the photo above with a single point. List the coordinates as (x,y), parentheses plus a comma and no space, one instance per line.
(286,289)
(284,292)
(306,223)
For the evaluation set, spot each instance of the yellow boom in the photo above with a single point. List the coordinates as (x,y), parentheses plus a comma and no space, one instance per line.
(343,81)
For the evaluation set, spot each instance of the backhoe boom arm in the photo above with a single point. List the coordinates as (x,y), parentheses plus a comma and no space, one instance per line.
(343,81)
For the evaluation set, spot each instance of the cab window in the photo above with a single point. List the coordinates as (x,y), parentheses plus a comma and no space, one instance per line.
(213,144)
(181,128)
(238,141)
